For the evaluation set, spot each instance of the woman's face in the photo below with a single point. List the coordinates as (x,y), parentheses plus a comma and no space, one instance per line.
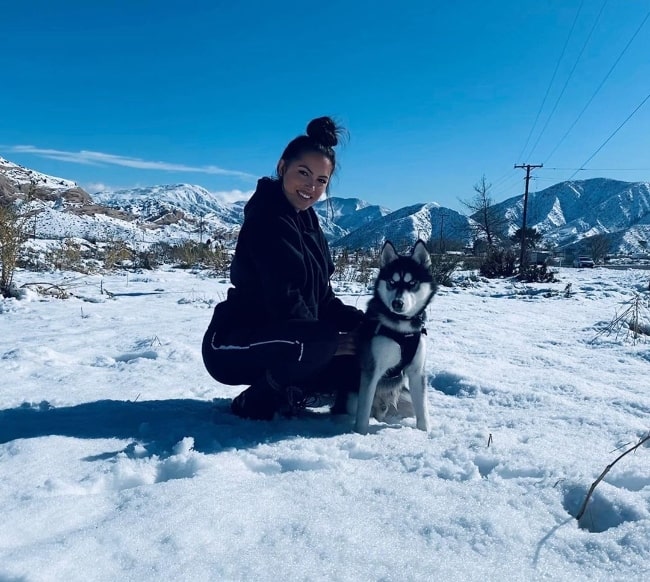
(305,179)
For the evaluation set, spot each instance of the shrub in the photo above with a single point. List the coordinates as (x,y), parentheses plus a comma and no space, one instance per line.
(537,274)
(193,254)
(498,263)
(66,256)
(443,266)
(116,252)
(12,235)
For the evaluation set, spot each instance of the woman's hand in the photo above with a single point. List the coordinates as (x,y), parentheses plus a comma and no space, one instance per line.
(347,344)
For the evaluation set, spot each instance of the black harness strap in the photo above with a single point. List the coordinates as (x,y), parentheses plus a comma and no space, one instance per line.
(408,343)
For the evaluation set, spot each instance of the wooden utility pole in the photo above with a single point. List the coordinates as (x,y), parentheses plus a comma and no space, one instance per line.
(522,255)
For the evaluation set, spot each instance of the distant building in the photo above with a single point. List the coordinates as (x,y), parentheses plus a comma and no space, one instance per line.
(539,257)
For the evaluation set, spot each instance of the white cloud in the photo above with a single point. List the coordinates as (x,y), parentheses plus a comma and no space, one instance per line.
(228,197)
(99,158)
(97,187)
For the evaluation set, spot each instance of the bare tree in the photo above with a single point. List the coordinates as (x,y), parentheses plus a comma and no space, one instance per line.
(488,225)
(599,245)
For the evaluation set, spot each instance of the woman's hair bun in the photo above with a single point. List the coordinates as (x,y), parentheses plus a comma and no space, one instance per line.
(325,131)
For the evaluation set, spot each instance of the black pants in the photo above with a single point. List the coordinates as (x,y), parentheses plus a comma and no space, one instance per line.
(298,353)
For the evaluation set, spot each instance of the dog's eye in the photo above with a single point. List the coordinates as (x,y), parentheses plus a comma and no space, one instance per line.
(412,283)
(391,284)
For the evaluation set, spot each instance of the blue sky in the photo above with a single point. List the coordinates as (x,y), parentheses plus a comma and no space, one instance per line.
(434,94)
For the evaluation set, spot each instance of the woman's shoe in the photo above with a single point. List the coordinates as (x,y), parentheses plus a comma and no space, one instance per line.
(258,402)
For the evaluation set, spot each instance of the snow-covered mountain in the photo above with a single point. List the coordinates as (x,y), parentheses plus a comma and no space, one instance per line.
(569,212)
(61,209)
(152,203)
(340,216)
(180,211)
(23,178)
(350,213)
(404,226)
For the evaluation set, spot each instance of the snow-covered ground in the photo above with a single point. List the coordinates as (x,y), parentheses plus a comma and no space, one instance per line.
(119,459)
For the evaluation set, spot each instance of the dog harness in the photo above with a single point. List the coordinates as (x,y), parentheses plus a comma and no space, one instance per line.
(408,343)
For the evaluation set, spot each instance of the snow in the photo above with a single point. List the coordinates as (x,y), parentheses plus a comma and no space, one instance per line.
(24,176)
(189,198)
(119,459)
(407,225)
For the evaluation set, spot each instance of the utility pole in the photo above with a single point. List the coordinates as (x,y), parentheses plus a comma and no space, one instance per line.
(522,255)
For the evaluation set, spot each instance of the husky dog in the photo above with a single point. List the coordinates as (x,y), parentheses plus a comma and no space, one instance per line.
(391,347)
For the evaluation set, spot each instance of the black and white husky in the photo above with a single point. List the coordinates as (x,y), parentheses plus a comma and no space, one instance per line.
(392,348)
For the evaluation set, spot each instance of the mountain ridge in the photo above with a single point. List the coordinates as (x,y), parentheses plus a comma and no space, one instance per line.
(567,213)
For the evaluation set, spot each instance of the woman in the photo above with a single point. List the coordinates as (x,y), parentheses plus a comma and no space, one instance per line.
(281,329)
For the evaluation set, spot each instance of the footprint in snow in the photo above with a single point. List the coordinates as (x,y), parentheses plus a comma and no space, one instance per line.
(137,467)
(131,356)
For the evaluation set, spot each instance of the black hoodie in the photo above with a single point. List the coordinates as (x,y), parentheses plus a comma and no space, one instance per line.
(281,267)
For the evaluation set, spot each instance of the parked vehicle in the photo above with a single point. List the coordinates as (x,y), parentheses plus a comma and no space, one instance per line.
(581,262)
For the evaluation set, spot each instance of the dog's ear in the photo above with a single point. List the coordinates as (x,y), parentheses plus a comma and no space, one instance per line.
(388,254)
(421,254)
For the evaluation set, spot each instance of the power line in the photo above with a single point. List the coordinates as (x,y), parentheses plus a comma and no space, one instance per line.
(548,88)
(503,189)
(601,169)
(566,83)
(592,156)
(600,86)
(503,179)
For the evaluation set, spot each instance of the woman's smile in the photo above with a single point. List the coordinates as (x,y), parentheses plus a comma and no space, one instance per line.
(305,179)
